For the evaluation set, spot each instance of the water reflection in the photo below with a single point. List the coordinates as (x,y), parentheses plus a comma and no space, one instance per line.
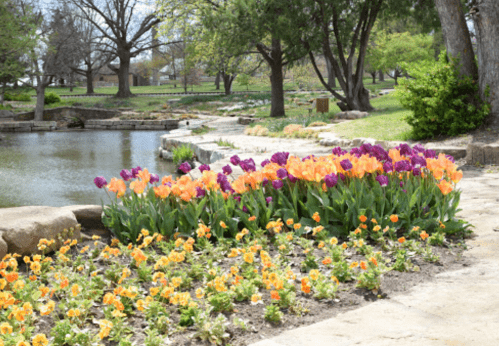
(58,168)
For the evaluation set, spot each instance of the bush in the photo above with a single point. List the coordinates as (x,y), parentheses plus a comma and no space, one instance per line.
(17,97)
(52,97)
(182,154)
(442,104)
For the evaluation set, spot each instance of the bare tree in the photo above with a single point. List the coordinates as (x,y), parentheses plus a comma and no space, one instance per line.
(45,60)
(92,59)
(125,27)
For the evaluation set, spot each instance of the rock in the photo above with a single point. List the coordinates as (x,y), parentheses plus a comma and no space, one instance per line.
(352,115)
(88,216)
(485,154)
(245,120)
(6,113)
(21,228)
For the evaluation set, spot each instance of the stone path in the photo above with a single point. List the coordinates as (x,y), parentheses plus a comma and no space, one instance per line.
(459,308)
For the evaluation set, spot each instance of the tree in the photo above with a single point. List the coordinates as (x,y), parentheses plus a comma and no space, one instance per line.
(46,58)
(484,14)
(120,22)
(91,59)
(17,35)
(397,49)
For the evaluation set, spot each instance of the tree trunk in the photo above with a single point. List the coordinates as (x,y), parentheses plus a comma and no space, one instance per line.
(373,74)
(487,29)
(276,81)
(2,94)
(331,77)
(381,76)
(217,81)
(123,73)
(40,100)
(228,79)
(90,82)
(456,35)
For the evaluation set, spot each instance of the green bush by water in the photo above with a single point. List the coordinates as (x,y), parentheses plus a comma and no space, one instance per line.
(182,154)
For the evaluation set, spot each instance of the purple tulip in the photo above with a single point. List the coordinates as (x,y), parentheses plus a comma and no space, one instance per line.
(331,180)
(268,200)
(430,154)
(265,181)
(277,184)
(346,164)
(292,178)
(248,165)
(280,158)
(154,178)
(282,173)
(226,187)
(265,163)
(418,161)
(388,167)
(227,170)
(185,167)
(405,149)
(402,166)
(221,178)
(100,182)
(126,174)
(450,158)
(417,149)
(200,192)
(237,198)
(416,171)
(342,176)
(401,183)
(356,152)
(203,168)
(338,152)
(135,171)
(235,160)
(366,148)
(245,209)
(309,157)
(382,180)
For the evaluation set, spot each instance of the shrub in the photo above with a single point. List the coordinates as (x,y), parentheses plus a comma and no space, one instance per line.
(182,154)
(52,97)
(442,104)
(17,97)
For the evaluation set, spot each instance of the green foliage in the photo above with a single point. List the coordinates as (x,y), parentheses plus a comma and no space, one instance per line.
(243,79)
(17,97)
(187,315)
(182,154)
(442,103)
(273,314)
(51,97)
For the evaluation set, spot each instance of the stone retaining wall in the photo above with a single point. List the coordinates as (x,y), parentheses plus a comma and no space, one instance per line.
(168,124)
(78,112)
(28,126)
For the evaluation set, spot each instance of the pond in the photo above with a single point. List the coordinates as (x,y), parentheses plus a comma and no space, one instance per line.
(58,168)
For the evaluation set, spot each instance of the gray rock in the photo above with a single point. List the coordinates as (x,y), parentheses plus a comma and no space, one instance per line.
(352,115)
(6,113)
(88,216)
(485,154)
(22,228)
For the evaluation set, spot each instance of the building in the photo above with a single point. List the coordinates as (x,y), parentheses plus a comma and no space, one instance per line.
(107,77)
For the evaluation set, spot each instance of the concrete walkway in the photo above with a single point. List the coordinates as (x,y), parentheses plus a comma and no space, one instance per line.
(458,308)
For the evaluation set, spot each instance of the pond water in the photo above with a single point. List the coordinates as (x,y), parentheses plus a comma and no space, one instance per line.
(58,168)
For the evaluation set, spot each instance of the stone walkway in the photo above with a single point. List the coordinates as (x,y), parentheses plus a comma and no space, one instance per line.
(458,308)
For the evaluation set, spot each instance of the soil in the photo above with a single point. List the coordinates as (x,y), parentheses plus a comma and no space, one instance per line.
(347,298)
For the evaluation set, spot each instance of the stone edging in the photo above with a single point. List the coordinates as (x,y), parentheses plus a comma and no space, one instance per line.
(206,150)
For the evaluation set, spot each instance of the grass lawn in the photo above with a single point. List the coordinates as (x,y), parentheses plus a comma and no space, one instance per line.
(204,87)
(386,123)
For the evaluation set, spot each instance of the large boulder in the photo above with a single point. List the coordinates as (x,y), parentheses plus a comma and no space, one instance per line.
(22,228)
(351,115)
(88,216)
(4,113)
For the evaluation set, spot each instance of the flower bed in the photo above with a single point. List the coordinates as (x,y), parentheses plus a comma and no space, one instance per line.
(213,259)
